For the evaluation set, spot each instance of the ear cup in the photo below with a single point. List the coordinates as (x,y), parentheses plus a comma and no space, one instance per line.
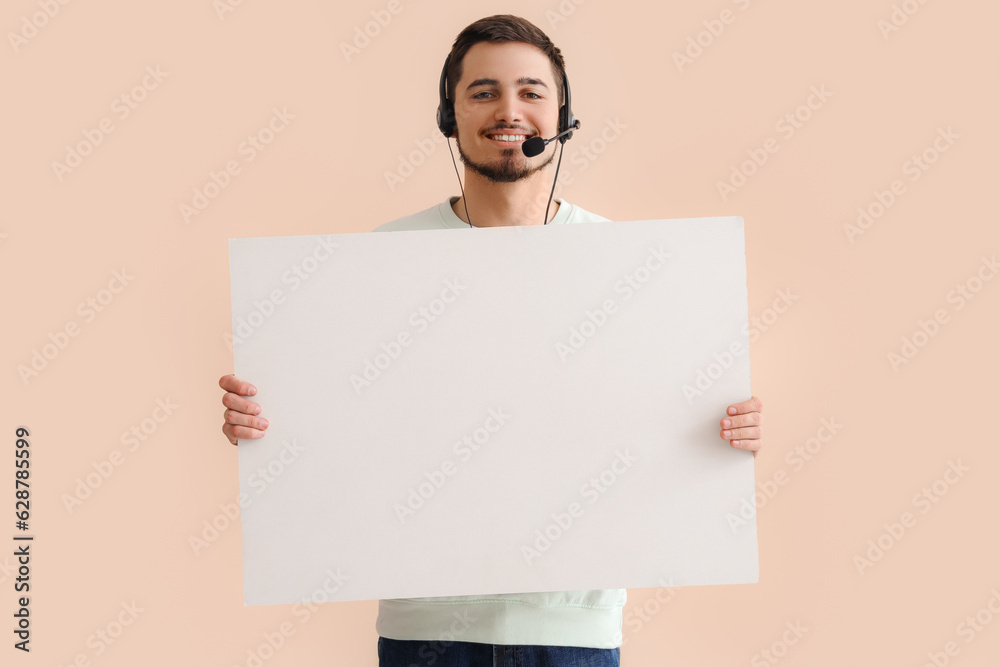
(566,119)
(446,120)
(446,108)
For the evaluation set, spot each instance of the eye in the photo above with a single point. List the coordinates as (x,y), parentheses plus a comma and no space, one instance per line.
(477,95)
(537,96)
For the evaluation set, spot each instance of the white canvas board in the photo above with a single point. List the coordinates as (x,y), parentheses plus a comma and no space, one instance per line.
(493,410)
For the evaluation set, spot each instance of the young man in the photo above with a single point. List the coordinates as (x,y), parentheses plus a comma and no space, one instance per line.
(504,85)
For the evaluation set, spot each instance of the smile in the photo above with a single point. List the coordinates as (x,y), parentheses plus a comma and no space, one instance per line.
(511,139)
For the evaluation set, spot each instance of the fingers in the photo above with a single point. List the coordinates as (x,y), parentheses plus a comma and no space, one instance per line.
(747,432)
(752,445)
(237,386)
(742,425)
(240,404)
(738,421)
(753,405)
(227,430)
(241,420)
(234,432)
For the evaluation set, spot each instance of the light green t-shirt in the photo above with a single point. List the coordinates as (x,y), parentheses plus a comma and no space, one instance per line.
(591,619)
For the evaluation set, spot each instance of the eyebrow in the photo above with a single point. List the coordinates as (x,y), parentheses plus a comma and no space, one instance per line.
(523,81)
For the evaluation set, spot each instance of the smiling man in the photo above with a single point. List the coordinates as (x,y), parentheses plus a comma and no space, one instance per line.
(502,84)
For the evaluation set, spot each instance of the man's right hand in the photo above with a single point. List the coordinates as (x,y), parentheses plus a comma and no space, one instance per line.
(242,419)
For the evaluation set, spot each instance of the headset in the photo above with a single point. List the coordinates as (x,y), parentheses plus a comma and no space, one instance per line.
(446,108)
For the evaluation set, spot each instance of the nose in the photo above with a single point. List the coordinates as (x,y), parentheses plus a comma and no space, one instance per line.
(509,110)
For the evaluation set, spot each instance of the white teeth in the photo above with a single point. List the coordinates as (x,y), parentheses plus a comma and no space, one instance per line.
(509,137)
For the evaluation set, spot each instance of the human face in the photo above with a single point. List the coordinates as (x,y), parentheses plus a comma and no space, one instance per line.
(505,89)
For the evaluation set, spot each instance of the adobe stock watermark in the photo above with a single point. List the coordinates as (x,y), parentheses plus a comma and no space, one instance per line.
(961,294)
(223,7)
(334,581)
(638,616)
(407,164)
(767,489)
(217,182)
(968,629)
(294,276)
(592,321)
(915,166)
(419,320)
(272,641)
(418,497)
(260,481)
(431,651)
(898,17)
(105,636)
(592,490)
(121,108)
(923,500)
(703,39)
(88,310)
(786,126)
(562,12)
(8,569)
(131,439)
(722,362)
(31,24)
(370,30)
(779,648)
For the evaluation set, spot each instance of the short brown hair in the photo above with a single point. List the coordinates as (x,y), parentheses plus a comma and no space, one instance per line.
(498,29)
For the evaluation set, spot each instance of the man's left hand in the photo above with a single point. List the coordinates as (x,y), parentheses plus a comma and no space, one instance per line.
(742,425)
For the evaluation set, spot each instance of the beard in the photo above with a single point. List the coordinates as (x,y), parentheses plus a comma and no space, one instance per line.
(505,169)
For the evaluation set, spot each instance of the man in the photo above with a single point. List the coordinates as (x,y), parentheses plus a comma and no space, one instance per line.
(505,84)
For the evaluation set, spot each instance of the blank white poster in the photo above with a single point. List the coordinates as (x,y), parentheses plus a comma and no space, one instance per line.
(494,410)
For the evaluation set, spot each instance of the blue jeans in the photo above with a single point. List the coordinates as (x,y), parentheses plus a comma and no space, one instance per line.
(411,653)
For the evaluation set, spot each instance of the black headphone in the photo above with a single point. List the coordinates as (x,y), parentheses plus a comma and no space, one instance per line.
(446,108)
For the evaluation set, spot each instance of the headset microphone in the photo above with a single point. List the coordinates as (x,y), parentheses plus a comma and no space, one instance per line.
(535,145)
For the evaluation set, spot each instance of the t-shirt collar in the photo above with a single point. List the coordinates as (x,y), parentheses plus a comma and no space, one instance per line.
(452,220)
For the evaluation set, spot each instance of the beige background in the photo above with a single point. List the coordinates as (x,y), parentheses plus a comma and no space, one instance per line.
(163,335)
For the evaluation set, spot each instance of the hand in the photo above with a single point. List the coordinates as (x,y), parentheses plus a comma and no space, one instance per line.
(240,420)
(742,425)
